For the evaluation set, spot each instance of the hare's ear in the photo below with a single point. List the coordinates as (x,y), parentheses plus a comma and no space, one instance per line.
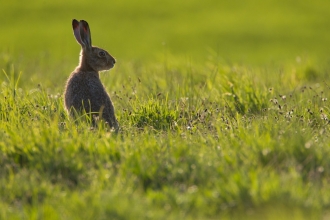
(85,34)
(76,31)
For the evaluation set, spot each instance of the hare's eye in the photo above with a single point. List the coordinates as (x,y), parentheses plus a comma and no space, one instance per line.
(102,54)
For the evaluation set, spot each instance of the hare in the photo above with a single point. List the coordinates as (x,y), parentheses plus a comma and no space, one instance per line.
(84,91)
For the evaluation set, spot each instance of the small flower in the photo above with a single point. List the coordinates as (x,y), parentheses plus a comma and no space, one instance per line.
(324,117)
(320,169)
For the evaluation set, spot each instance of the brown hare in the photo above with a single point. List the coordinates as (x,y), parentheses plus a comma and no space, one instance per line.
(84,91)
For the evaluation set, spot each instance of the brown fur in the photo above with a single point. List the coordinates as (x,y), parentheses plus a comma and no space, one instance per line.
(84,90)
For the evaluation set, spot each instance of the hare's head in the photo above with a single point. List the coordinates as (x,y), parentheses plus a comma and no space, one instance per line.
(92,58)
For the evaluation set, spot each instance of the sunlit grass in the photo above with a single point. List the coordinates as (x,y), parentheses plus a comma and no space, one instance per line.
(219,144)
(223,109)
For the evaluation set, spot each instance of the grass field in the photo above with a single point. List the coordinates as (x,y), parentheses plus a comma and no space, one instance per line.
(223,108)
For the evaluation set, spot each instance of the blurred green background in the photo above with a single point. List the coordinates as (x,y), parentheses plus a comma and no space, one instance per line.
(174,59)
(251,31)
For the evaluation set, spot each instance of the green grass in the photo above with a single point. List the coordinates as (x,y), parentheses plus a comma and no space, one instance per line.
(223,108)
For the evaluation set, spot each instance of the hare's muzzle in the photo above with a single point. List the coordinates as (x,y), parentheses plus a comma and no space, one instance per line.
(111,61)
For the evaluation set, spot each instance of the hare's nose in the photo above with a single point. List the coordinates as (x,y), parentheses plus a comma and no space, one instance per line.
(112,59)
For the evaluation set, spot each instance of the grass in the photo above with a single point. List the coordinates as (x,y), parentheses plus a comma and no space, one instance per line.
(213,148)
(240,132)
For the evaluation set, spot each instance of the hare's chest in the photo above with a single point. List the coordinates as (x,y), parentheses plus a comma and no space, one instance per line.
(95,87)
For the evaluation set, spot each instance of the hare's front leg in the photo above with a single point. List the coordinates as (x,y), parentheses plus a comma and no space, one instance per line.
(109,115)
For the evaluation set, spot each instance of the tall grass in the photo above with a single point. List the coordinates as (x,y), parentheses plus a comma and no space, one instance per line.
(212,146)
(223,109)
